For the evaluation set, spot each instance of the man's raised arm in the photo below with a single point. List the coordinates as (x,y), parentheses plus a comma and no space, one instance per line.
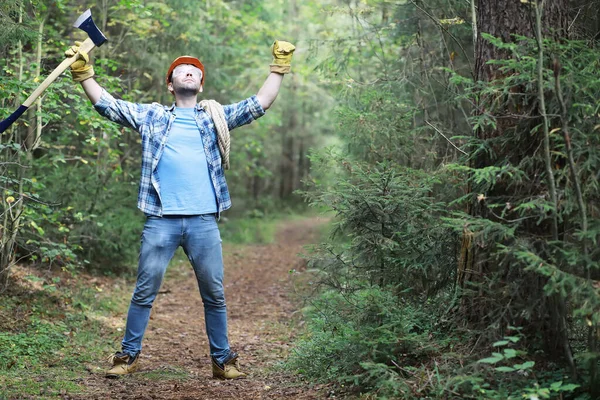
(132,115)
(92,89)
(282,59)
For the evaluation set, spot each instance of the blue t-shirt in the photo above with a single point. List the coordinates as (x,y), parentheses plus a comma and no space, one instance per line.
(185,184)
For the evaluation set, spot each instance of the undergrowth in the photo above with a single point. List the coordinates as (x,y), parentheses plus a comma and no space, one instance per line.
(54,331)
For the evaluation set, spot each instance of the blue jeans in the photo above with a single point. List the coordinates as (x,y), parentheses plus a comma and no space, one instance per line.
(200,238)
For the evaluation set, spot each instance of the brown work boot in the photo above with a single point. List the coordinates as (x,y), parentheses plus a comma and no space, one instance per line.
(229,369)
(123,364)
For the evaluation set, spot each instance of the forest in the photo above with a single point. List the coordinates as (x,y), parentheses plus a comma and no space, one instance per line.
(417,216)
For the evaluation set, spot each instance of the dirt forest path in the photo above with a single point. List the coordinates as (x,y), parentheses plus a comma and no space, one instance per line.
(175,363)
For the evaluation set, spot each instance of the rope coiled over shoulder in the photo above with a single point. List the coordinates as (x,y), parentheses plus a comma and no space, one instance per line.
(216,112)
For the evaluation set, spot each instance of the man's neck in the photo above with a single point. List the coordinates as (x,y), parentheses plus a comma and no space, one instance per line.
(186,102)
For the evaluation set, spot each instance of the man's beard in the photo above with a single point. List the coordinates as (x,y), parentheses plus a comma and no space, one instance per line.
(186,89)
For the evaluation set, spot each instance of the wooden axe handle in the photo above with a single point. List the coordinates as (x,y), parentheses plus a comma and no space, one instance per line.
(87,46)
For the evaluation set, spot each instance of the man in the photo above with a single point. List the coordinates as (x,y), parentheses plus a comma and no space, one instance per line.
(182,191)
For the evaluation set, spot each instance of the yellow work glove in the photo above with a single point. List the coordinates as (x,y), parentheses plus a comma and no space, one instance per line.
(282,56)
(80,69)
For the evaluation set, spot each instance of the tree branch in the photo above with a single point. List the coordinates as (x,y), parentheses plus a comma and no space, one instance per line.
(439,24)
(440,132)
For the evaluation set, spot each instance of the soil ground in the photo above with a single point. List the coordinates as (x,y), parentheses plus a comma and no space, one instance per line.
(263,320)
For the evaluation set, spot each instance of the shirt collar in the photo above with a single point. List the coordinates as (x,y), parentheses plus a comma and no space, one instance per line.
(172,107)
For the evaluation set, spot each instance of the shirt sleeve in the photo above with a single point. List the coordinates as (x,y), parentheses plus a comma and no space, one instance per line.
(123,112)
(243,113)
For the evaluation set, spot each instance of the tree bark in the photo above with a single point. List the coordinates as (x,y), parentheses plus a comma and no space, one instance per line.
(504,18)
(288,171)
(34,130)
(515,117)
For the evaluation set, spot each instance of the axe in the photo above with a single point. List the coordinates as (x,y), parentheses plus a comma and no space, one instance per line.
(95,38)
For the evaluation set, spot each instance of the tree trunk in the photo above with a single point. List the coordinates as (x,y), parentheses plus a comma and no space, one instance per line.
(515,117)
(288,166)
(504,18)
(34,130)
(12,209)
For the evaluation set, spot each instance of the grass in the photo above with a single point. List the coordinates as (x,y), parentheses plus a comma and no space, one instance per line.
(257,227)
(249,230)
(52,333)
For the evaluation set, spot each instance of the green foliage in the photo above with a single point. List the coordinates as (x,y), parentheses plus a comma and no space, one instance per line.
(469,229)
(256,227)
(513,210)
(72,192)
(51,332)
(370,124)
(419,225)
(389,222)
(10,29)
(363,338)
(23,350)
(514,376)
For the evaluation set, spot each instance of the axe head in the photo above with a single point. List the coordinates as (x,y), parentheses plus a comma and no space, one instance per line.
(86,23)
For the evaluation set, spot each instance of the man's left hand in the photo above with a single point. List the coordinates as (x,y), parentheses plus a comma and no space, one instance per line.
(282,57)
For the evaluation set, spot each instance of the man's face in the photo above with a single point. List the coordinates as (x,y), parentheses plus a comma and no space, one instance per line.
(186,79)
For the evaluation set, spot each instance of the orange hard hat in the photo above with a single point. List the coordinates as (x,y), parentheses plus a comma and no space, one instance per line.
(185,60)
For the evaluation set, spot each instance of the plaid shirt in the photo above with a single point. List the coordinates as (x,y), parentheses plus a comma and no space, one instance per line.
(154,121)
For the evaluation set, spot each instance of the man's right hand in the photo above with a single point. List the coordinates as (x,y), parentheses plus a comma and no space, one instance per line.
(80,69)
